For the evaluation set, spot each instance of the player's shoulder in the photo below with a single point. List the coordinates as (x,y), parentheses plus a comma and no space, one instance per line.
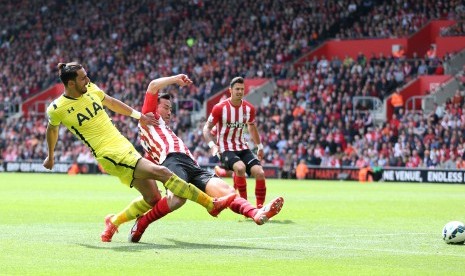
(220,105)
(222,102)
(52,107)
(55,105)
(92,88)
(247,103)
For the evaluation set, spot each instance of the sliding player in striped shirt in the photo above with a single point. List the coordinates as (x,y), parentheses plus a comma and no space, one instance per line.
(163,147)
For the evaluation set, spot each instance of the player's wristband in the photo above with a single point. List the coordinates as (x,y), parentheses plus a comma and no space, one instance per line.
(211,144)
(135,114)
(260,146)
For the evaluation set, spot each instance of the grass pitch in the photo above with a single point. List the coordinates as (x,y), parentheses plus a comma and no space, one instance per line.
(51,224)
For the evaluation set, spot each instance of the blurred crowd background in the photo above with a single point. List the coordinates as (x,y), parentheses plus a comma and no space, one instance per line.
(309,116)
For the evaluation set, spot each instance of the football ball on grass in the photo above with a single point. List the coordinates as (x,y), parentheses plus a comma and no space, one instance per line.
(454,232)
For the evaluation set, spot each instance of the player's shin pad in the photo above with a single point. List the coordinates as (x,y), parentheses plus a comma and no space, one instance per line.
(182,189)
(135,209)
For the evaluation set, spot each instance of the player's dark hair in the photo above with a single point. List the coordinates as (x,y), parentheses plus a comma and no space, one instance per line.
(236,80)
(68,71)
(164,95)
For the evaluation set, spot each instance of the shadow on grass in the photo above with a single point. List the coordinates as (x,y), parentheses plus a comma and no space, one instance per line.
(273,221)
(457,244)
(177,244)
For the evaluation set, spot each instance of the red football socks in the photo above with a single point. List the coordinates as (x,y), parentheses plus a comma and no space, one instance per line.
(158,211)
(260,192)
(242,206)
(241,185)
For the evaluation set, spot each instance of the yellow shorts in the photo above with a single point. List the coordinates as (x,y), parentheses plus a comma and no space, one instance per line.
(121,165)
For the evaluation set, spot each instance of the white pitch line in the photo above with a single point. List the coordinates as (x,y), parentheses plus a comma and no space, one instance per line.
(320,236)
(394,251)
(388,250)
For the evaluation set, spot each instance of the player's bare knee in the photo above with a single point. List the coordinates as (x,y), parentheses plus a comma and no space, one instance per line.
(260,174)
(216,187)
(175,202)
(221,190)
(257,172)
(165,171)
(161,173)
(239,168)
(152,199)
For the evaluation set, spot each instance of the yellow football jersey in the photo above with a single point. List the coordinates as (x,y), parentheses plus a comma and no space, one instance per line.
(89,122)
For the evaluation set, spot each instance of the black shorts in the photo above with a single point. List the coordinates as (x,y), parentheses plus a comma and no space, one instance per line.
(229,158)
(186,168)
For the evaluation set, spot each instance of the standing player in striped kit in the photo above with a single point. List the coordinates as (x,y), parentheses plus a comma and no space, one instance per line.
(230,117)
(163,147)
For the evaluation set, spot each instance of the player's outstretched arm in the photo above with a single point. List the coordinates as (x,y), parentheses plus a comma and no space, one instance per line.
(119,107)
(160,83)
(52,138)
(207,128)
(256,139)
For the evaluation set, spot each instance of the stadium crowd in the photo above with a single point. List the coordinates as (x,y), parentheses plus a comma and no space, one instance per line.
(394,19)
(317,122)
(457,29)
(124,44)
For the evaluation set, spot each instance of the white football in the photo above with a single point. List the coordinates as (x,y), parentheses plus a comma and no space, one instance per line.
(454,232)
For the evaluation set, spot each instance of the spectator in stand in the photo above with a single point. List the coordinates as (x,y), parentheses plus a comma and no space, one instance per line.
(420,129)
(422,68)
(460,163)
(458,98)
(431,53)
(397,101)
(265,100)
(439,69)
(437,113)
(278,161)
(301,170)
(447,163)
(399,53)
(287,167)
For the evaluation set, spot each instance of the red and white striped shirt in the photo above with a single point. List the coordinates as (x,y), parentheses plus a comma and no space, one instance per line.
(159,141)
(230,121)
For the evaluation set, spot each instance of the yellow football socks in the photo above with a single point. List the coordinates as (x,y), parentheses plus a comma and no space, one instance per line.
(136,208)
(182,189)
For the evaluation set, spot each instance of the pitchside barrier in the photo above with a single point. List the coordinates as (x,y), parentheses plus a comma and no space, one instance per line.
(391,174)
(423,175)
(92,168)
(36,166)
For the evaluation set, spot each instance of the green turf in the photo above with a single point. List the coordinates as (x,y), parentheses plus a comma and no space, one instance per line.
(50,224)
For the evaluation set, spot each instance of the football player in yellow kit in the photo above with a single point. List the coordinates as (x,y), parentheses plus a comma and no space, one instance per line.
(80,109)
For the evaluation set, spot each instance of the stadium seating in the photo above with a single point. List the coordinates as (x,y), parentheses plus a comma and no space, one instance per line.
(124,44)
